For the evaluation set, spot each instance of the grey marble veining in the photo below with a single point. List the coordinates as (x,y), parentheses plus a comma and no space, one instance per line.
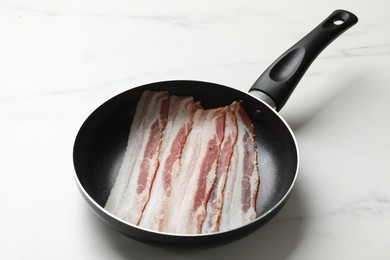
(61,59)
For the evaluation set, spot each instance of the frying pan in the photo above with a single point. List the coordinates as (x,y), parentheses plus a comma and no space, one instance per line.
(101,141)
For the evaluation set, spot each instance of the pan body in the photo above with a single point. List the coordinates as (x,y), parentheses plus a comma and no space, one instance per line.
(101,141)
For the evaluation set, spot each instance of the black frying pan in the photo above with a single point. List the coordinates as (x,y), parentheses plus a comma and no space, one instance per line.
(102,139)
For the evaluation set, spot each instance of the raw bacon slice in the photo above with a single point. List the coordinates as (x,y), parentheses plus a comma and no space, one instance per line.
(180,119)
(243,182)
(187,207)
(135,139)
(214,205)
(146,163)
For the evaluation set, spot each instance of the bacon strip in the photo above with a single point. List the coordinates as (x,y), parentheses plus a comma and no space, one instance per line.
(215,203)
(243,181)
(180,120)
(187,208)
(146,162)
(135,139)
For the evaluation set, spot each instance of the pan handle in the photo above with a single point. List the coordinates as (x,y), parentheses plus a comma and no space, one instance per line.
(277,83)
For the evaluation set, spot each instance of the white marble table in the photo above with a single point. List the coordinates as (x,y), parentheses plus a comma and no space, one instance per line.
(59,60)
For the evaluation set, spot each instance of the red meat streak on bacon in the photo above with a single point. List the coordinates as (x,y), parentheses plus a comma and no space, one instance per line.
(249,194)
(178,127)
(199,174)
(202,192)
(215,202)
(242,185)
(138,190)
(174,154)
(135,142)
(151,148)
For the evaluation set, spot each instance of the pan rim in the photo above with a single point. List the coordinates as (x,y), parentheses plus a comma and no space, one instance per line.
(266,214)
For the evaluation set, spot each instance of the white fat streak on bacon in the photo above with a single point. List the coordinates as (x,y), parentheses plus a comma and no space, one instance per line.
(243,182)
(134,143)
(180,120)
(187,208)
(215,202)
(146,164)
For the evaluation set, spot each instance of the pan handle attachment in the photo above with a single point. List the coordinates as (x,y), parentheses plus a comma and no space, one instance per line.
(277,83)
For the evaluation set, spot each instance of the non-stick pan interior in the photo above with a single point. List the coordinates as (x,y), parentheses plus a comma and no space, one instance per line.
(102,139)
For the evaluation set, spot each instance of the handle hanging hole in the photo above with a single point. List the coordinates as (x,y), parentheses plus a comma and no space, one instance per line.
(338,21)
(340,18)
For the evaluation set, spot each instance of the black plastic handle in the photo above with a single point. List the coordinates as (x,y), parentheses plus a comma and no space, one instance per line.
(281,78)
